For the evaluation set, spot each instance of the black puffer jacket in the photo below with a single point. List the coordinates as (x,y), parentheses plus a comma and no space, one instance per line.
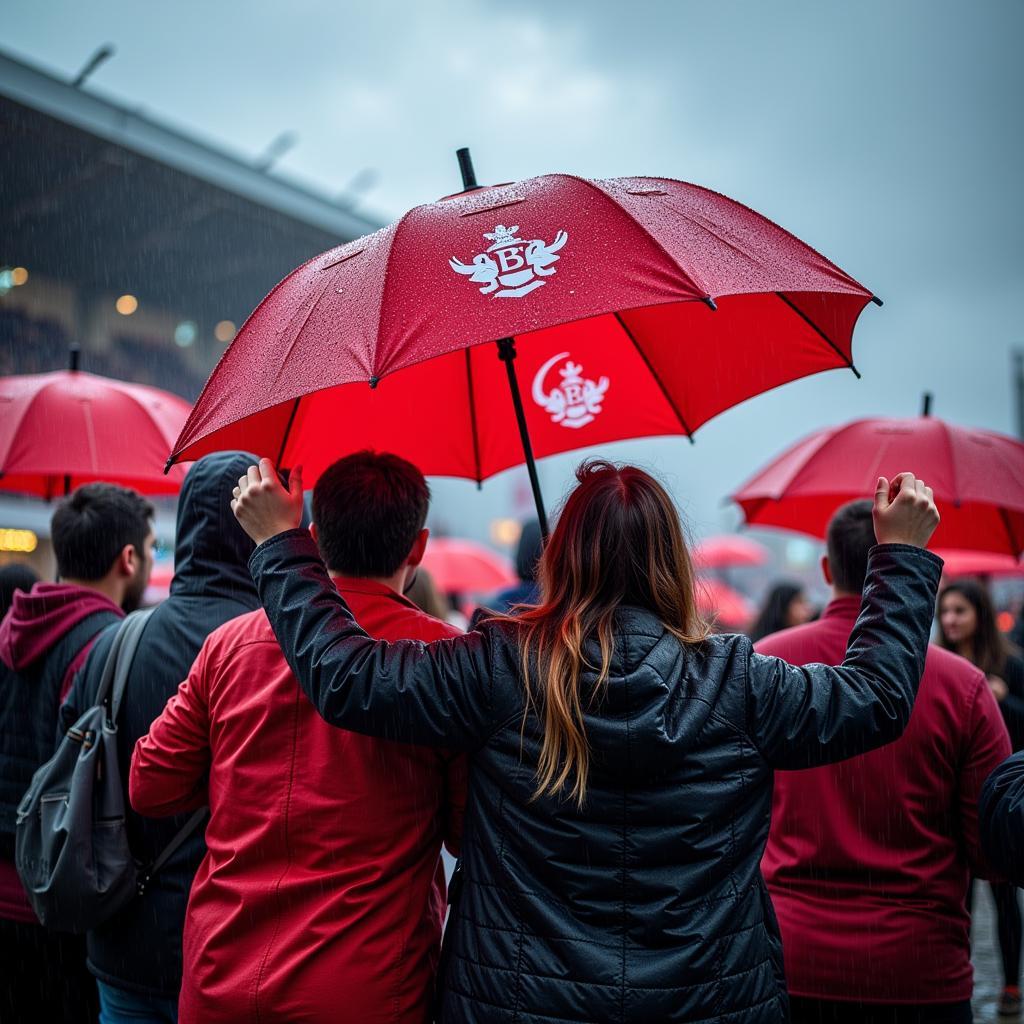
(648,905)
(140,948)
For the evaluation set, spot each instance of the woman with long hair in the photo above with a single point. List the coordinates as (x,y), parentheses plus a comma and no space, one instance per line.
(620,757)
(784,606)
(967,625)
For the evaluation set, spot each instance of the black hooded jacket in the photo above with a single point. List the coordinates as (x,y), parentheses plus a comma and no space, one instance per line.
(140,948)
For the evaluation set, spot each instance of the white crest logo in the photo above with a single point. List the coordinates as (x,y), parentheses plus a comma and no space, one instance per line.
(576,401)
(511,267)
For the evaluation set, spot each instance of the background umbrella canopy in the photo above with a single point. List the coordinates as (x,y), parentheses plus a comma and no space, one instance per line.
(465,567)
(728,551)
(978,563)
(82,427)
(722,605)
(977,477)
(603,284)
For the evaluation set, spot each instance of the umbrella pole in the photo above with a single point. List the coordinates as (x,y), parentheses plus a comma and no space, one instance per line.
(507,354)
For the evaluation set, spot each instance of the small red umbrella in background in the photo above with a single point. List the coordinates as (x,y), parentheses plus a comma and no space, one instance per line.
(729,551)
(62,429)
(721,605)
(978,563)
(465,567)
(977,477)
(629,307)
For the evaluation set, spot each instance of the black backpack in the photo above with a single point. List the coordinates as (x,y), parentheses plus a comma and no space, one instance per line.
(71,839)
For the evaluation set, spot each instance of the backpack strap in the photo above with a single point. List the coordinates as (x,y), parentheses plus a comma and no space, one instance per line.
(119,661)
(145,876)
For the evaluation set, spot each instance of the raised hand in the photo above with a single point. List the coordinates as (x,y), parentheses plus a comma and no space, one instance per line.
(263,506)
(904,511)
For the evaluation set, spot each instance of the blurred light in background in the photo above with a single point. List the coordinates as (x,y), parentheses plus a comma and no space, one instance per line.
(126,305)
(19,275)
(224,331)
(800,553)
(21,541)
(1005,621)
(505,531)
(185,334)
(6,281)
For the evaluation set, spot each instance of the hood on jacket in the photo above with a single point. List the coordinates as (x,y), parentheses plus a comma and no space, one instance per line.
(39,618)
(211,550)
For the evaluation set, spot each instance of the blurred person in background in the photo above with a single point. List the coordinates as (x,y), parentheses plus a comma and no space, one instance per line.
(622,758)
(103,539)
(528,553)
(869,861)
(423,593)
(967,625)
(784,606)
(14,577)
(322,894)
(136,954)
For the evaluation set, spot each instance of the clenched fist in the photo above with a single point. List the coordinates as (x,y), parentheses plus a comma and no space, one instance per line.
(263,506)
(904,511)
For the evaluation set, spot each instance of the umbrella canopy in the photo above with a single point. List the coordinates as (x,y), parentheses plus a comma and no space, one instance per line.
(979,563)
(728,551)
(977,477)
(722,605)
(66,428)
(630,306)
(465,567)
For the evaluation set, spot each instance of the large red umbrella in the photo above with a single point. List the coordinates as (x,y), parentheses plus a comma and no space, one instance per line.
(62,429)
(627,307)
(465,567)
(977,477)
(729,551)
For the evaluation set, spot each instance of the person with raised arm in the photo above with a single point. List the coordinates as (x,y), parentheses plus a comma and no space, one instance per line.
(620,757)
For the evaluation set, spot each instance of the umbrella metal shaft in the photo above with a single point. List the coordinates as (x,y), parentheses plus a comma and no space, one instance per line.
(507,354)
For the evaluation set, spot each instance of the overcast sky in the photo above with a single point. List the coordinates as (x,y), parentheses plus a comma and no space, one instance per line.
(885,134)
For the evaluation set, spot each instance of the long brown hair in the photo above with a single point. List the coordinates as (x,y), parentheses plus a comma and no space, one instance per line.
(989,648)
(618,542)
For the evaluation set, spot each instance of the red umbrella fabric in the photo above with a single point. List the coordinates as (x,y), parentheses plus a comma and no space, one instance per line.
(638,306)
(979,563)
(728,551)
(74,427)
(977,477)
(465,567)
(722,605)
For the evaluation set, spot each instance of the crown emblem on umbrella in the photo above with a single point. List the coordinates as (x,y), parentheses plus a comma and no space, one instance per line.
(511,267)
(576,401)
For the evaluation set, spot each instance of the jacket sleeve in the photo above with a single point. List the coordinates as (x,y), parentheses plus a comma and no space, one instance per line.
(986,744)
(436,694)
(171,763)
(816,714)
(1001,819)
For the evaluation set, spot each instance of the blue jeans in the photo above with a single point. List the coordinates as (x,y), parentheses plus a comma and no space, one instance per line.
(118,1006)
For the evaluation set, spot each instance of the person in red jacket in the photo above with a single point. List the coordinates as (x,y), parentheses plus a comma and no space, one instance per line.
(868,860)
(322,895)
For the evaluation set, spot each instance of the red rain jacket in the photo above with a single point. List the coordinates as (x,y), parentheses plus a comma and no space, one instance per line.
(322,895)
(868,860)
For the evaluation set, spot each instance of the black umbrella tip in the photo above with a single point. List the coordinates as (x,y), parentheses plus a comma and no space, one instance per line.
(374,381)
(710,302)
(74,356)
(466,168)
(168,464)
(877,301)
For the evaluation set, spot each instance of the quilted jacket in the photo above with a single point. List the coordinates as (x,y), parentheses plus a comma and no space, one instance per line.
(648,904)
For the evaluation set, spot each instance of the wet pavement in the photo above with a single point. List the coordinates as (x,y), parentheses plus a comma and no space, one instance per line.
(988,982)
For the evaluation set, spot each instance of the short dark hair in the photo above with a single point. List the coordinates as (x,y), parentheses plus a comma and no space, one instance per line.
(368,509)
(851,535)
(92,526)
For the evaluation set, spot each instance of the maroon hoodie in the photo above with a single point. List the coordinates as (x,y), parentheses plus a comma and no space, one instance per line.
(36,622)
(39,618)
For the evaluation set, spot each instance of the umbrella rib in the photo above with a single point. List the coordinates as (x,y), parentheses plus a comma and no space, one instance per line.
(472,418)
(1010,531)
(821,334)
(668,398)
(287,431)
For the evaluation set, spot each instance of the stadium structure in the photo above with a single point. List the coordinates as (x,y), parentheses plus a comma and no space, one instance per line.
(139,242)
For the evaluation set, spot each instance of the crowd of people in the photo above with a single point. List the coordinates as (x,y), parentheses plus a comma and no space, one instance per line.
(653,821)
